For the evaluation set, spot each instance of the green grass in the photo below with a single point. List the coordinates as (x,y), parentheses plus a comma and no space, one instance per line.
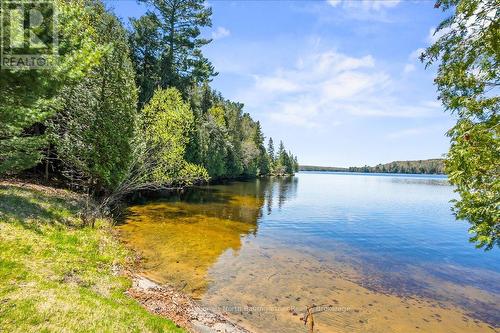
(57,275)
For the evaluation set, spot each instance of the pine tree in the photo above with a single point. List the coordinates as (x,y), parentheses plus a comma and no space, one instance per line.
(146,50)
(93,132)
(181,62)
(263,160)
(270,150)
(30,97)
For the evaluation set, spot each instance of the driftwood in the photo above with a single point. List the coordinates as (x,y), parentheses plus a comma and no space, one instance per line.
(308,317)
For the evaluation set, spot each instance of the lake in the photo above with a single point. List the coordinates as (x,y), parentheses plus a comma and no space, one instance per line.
(370,252)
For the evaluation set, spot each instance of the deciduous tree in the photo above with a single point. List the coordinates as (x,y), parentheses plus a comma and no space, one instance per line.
(468,82)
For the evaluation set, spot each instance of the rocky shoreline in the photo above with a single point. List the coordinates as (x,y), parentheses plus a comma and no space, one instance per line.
(180,308)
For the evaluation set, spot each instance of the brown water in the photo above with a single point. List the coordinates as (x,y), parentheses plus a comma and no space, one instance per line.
(263,251)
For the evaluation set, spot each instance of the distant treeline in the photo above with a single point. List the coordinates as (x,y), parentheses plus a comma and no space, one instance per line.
(432,166)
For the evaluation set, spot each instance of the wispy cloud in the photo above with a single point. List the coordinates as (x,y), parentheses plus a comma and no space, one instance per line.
(413,60)
(333,3)
(365,4)
(220,32)
(329,87)
(409,68)
(409,132)
(417,131)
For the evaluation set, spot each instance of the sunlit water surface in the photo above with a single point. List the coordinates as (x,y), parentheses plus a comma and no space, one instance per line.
(374,253)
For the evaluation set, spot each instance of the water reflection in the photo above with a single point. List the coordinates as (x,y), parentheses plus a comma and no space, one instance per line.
(443,181)
(283,188)
(183,235)
(386,247)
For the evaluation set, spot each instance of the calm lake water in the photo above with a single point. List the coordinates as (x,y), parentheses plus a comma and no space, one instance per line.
(373,253)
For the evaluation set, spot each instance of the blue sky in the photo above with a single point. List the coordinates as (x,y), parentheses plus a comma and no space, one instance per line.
(338,81)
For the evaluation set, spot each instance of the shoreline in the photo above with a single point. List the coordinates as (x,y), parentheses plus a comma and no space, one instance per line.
(177,306)
(60,274)
(157,300)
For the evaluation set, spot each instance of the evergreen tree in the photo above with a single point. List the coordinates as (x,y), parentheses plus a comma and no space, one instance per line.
(30,97)
(181,62)
(146,46)
(296,164)
(93,132)
(263,159)
(214,142)
(83,112)
(234,159)
(206,99)
(280,163)
(270,150)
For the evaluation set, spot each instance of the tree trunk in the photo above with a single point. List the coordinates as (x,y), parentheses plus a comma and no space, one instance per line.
(47,164)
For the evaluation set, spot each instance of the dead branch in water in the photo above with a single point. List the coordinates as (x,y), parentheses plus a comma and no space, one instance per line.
(309,315)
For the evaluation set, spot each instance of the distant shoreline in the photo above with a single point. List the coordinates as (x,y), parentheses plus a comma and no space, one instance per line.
(374,173)
(427,167)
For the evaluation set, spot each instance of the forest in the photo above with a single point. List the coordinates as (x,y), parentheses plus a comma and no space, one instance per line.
(104,226)
(122,110)
(431,166)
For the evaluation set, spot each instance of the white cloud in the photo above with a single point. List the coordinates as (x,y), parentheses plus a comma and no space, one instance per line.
(407,133)
(413,58)
(333,3)
(418,131)
(373,4)
(409,68)
(360,10)
(220,32)
(365,4)
(275,84)
(390,107)
(329,87)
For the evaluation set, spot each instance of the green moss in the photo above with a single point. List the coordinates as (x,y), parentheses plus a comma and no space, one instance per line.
(56,275)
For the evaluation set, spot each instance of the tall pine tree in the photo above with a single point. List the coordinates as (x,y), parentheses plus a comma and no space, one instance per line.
(180,60)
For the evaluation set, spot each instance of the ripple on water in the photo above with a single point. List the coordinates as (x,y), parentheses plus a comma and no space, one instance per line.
(379,253)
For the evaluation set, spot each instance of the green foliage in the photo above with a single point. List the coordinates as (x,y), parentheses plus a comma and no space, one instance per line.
(93,132)
(216,114)
(284,162)
(234,160)
(473,166)
(468,76)
(82,117)
(58,275)
(167,46)
(226,141)
(146,45)
(213,148)
(270,151)
(262,160)
(213,142)
(166,126)
(30,97)
(249,148)
(431,166)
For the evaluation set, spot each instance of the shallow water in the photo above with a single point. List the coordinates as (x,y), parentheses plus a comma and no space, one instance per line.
(374,253)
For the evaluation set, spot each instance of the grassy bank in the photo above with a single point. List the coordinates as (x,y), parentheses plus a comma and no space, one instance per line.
(57,275)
